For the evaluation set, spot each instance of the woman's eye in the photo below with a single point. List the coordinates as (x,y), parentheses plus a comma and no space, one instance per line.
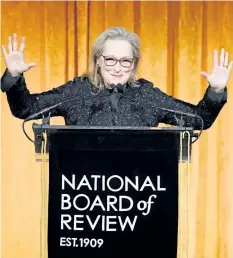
(110,59)
(126,61)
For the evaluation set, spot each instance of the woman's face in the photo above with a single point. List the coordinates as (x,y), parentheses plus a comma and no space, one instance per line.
(116,63)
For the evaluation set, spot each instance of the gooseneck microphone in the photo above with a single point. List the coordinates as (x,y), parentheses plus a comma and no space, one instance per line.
(180,121)
(47,109)
(115,93)
(178,112)
(119,88)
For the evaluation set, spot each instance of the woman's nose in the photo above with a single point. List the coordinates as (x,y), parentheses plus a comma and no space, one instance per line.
(117,67)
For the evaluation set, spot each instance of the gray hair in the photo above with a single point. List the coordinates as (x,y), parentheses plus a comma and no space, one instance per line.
(97,49)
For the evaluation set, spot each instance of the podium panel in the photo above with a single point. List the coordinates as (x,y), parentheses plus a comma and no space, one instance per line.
(113,193)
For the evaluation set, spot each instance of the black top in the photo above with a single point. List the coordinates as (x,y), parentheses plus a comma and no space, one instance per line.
(124,106)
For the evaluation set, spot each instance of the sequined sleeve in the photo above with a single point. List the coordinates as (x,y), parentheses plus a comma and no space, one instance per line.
(208,108)
(22,103)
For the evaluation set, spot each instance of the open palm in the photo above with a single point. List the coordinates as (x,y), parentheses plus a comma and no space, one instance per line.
(14,59)
(220,74)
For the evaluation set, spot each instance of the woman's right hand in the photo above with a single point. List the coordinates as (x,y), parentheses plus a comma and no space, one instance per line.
(14,59)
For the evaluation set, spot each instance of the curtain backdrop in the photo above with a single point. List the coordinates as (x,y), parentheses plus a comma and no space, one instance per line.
(178,39)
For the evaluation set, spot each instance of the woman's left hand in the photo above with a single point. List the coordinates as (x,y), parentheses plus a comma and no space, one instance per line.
(220,73)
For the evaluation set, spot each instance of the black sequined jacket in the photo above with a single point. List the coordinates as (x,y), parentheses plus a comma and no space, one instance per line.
(128,106)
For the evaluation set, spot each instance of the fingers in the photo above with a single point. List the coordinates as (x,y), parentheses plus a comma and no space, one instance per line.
(22,45)
(222,57)
(230,66)
(14,42)
(4,51)
(30,65)
(13,46)
(205,74)
(226,60)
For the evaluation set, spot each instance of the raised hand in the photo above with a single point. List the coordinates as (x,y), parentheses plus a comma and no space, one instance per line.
(220,74)
(15,58)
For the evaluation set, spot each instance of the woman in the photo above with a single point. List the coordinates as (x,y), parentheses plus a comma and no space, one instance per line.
(110,94)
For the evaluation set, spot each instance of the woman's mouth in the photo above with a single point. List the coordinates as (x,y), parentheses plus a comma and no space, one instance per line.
(116,75)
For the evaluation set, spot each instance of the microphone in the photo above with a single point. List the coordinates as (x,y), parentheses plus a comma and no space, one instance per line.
(181,121)
(178,112)
(47,109)
(119,88)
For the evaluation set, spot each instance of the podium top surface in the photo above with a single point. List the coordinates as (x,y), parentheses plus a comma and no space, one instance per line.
(108,138)
(55,128)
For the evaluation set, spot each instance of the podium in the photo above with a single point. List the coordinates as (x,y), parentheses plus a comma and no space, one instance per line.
(113,191)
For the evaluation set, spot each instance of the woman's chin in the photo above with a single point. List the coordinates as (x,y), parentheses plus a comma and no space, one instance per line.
(117,80)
